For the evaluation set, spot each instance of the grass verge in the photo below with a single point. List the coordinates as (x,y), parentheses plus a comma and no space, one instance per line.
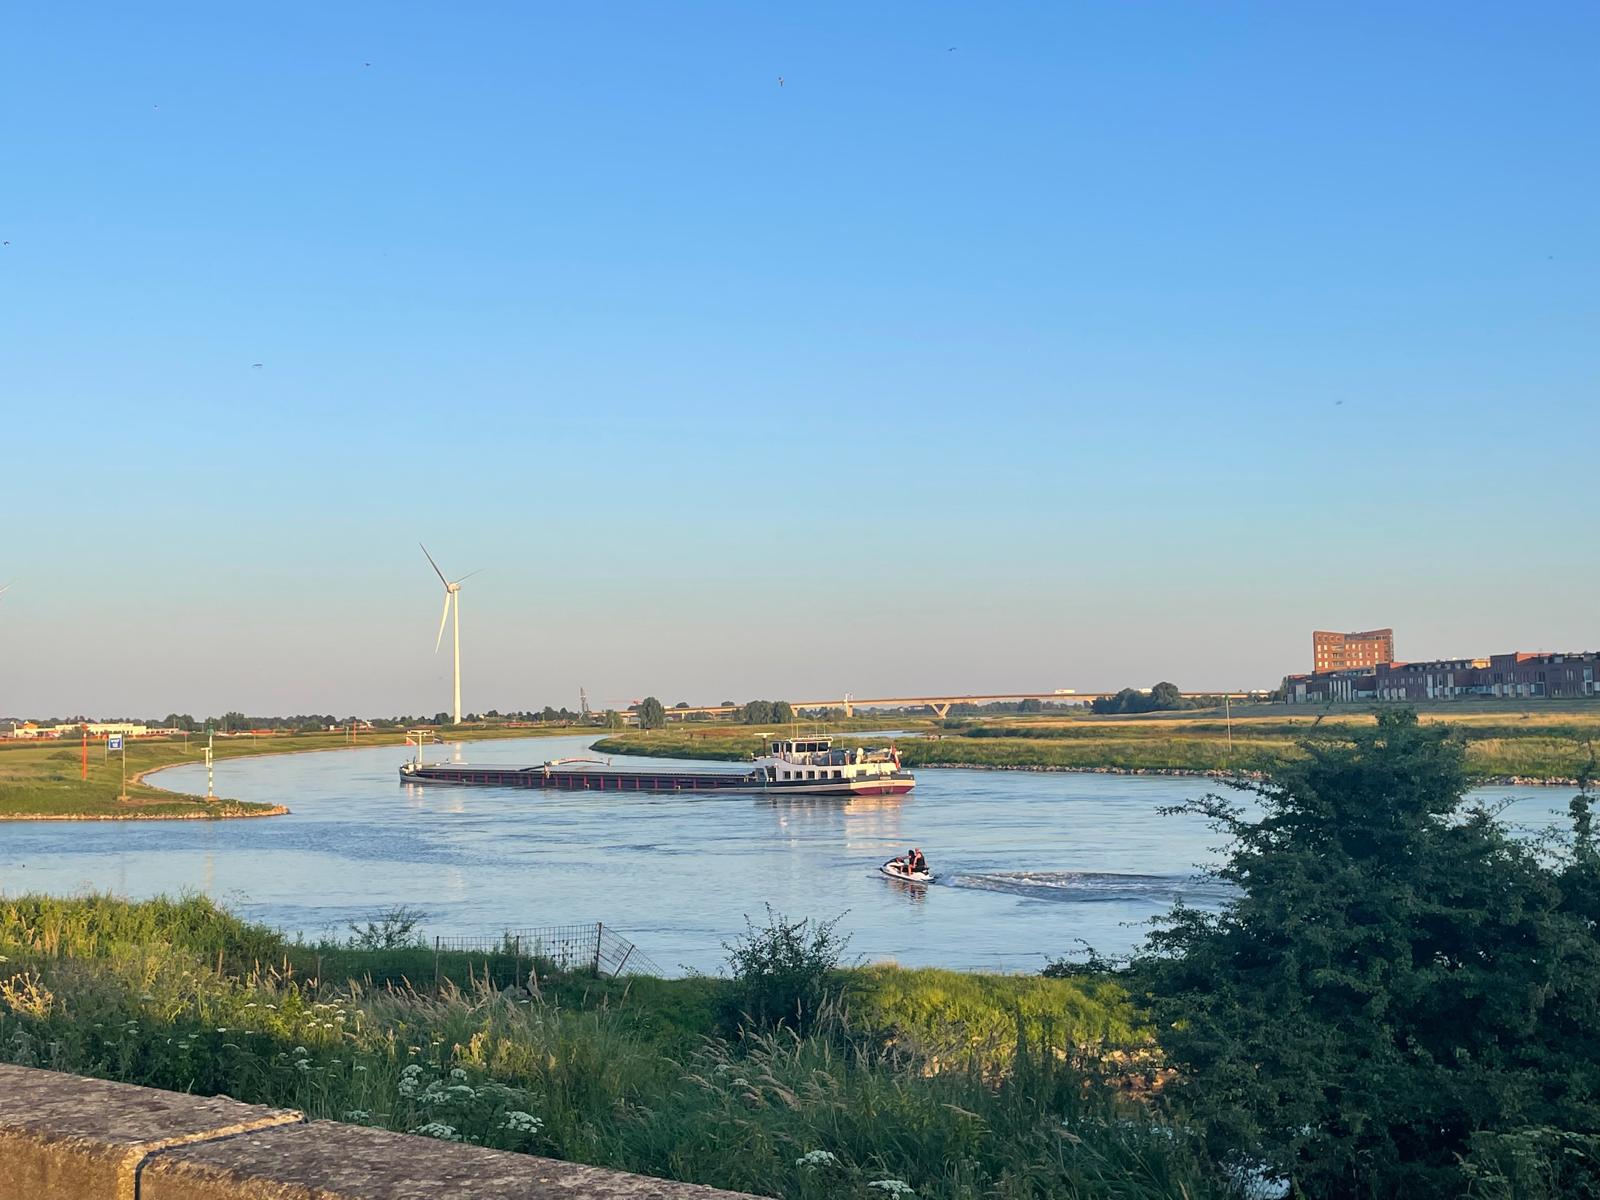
(957,1086)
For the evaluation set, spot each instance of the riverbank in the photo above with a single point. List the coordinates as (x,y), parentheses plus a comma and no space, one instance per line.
(1504,744)
(958,1085)
(42,781)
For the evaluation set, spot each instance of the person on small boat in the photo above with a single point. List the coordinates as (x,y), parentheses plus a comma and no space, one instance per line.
(915,862)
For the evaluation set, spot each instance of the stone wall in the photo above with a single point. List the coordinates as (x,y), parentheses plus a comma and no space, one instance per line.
(63,1137)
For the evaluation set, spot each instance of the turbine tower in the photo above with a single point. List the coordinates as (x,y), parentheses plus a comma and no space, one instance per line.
(452,596)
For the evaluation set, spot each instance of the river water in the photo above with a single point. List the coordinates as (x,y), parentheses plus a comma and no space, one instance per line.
(1029,865)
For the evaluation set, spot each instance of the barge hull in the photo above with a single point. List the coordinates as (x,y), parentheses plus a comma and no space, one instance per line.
(652,781)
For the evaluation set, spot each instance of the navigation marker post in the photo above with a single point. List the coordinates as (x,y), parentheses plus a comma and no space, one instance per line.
(114,742)
(211,780)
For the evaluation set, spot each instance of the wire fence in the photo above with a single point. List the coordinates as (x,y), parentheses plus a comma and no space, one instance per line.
(566,948)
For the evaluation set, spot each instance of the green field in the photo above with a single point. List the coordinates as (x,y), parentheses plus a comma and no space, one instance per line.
(42,779)
(1503,741)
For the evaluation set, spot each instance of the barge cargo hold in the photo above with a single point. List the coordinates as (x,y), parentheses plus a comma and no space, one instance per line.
(795,766)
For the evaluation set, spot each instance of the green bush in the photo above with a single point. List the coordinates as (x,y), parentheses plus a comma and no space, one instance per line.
(783,973)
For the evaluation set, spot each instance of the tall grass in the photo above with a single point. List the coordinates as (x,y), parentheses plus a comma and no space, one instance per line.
(959,1089)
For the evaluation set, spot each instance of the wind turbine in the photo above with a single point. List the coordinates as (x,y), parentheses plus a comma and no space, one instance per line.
(452,595)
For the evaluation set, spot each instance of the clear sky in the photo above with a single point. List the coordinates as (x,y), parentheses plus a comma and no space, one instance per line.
(1000,347)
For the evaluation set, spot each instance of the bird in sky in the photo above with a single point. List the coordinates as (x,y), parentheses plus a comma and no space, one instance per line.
(951,48)
(780,80)
(366,64)
(256,366)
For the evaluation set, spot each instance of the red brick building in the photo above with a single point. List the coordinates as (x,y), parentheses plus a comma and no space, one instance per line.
(1522,675)
(1351,651)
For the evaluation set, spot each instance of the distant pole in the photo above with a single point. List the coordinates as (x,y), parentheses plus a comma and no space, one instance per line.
(85,773)
(211,779)
(1227,707)
(124,795)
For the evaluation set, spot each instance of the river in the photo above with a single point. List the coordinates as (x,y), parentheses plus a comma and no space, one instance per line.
(1029,865)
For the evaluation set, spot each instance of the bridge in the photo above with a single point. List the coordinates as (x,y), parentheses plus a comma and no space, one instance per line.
(941,704)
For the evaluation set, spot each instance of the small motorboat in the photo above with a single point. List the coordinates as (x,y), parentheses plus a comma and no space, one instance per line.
(896,868)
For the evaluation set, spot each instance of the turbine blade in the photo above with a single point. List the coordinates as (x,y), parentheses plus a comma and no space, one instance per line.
(439,641)
(435,566)
(470,574)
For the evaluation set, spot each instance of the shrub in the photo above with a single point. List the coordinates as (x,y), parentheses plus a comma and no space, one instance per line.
(394,928)
(782,972)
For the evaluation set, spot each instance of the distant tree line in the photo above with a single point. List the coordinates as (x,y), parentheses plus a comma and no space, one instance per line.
(1164,697)
(764,712)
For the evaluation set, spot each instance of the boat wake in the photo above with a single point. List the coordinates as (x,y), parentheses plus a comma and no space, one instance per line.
(1089,887)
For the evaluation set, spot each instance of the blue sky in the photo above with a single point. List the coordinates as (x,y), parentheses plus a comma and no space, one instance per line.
(1121,342)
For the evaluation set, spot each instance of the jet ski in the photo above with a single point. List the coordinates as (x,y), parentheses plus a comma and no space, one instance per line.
(895,868)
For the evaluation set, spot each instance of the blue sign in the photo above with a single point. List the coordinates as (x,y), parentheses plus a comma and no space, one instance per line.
(114,742)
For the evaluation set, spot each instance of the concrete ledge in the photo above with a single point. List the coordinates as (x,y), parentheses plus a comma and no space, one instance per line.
(63,1137)
(325,1160)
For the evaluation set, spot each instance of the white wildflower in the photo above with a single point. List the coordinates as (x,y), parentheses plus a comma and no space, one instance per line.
(358,1115)
(302,1064)
(439,1130)
(893,1187)
(518,1121)
(817,1158)
(457,1073)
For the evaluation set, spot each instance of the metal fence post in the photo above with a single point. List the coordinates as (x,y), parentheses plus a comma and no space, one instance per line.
(436,962)
(599,933)
(516,962)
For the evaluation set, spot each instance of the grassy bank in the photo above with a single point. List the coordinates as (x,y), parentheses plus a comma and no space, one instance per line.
(1502,741)
(960,1086)
(41,780)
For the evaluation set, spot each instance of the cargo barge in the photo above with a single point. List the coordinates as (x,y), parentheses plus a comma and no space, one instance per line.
(792,766)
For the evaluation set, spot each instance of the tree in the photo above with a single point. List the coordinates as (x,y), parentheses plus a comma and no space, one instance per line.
(765,712)
(1030,706)
(1128,700)
(1165,697)
(613,719)
(1397,980)
(651,714)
